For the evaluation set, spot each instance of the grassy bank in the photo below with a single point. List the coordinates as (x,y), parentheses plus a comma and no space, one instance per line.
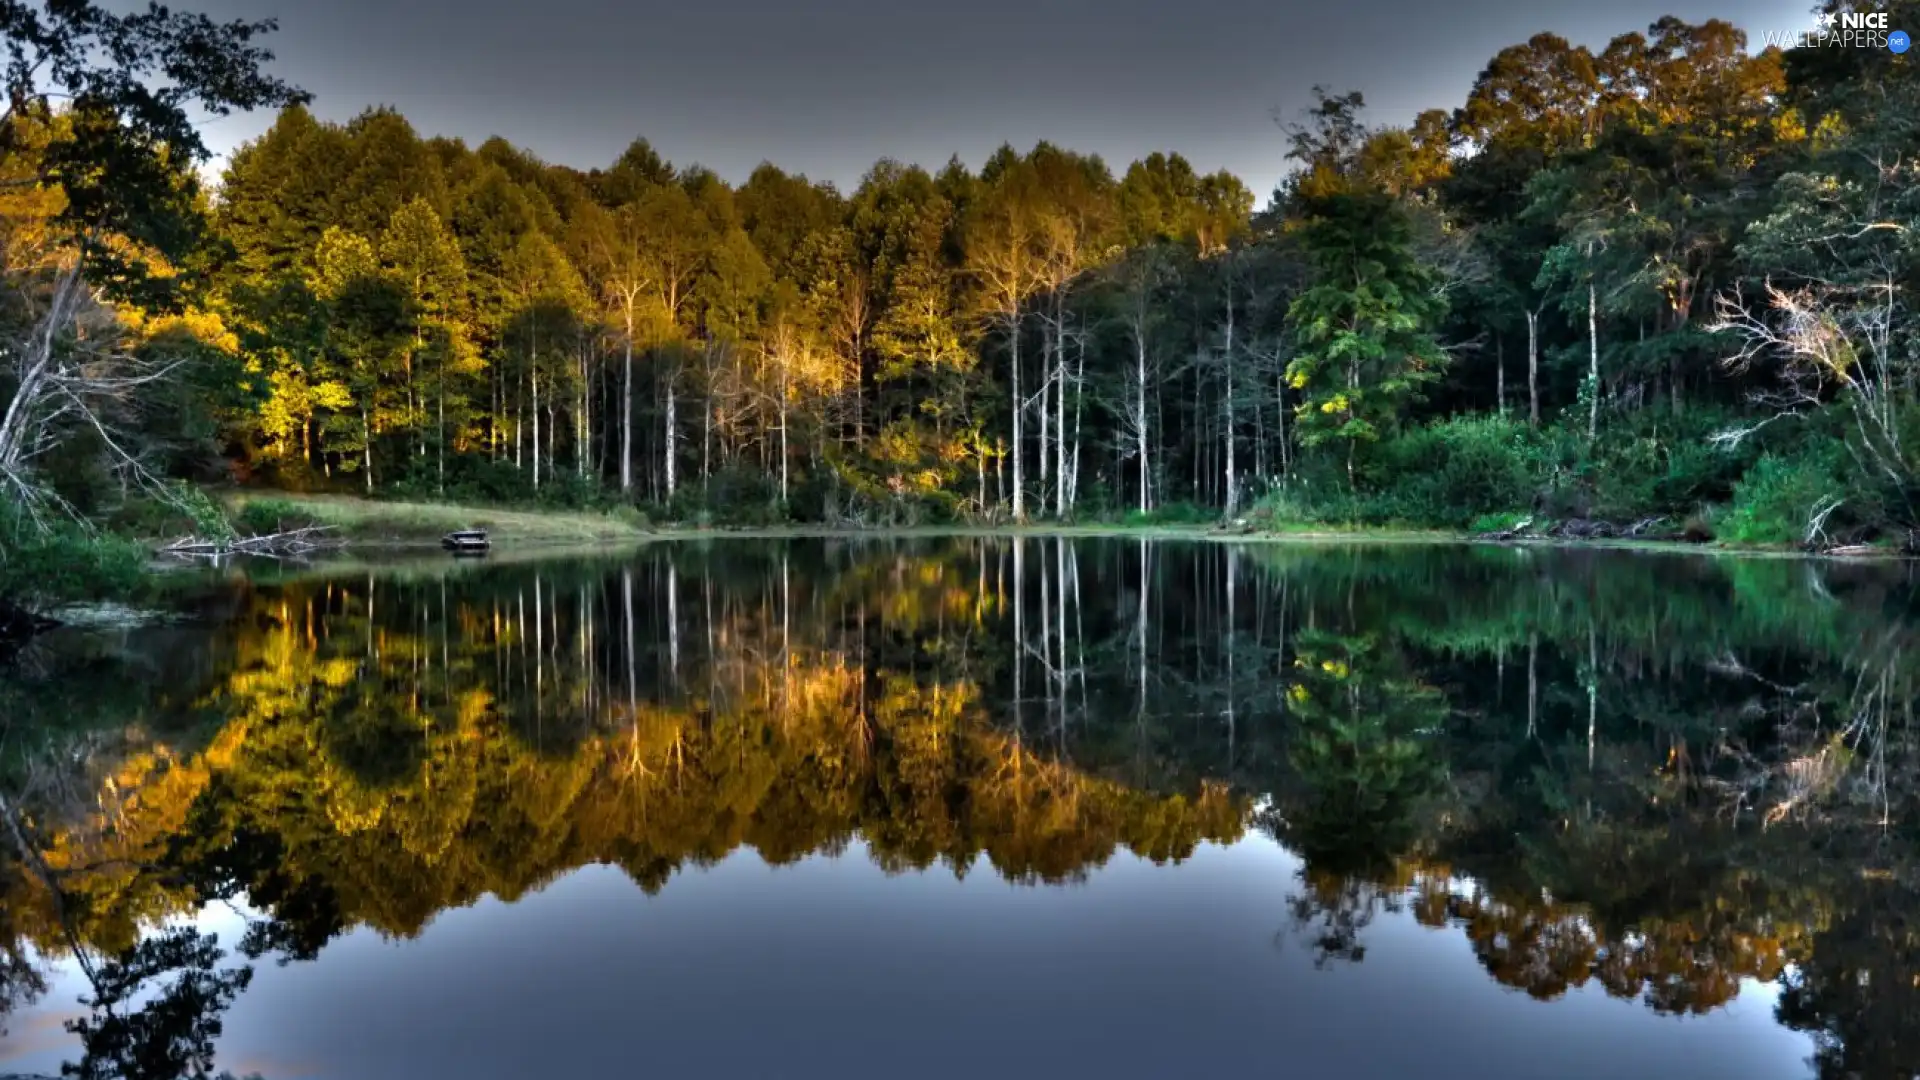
(379,523)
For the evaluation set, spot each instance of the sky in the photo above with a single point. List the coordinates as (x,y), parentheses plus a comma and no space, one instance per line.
(826,87)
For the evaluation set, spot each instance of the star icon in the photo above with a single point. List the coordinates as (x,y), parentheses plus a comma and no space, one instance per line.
(1825,18)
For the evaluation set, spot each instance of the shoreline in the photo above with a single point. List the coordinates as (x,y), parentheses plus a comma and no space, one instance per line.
(168,581)
(370,527)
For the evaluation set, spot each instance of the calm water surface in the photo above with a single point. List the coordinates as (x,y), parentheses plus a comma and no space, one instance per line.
(976,806)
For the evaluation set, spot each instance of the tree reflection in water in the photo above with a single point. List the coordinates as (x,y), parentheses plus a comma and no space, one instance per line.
(1657,776)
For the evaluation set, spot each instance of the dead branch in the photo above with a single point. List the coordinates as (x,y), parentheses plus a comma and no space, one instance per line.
(295,542)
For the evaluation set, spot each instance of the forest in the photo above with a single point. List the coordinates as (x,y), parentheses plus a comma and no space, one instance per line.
(1662,285)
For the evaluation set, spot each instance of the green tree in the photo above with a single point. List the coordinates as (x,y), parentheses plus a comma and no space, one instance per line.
(1363,328)
(421,253)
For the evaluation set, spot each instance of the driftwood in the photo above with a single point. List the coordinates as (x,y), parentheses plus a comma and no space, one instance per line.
(1520,531)
(293,543)
(1573,529)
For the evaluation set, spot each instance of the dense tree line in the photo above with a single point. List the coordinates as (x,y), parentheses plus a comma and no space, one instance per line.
(1587,291)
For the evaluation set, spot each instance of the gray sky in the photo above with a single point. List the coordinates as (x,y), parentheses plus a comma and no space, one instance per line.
(828,86)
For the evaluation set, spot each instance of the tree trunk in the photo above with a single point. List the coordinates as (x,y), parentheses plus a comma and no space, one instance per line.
(1533,368)
(1231,500)
(1059,415)
(1019,503)
(1140,411)
(1079,423)
(1500,374)
(1593,366)
(440,455)
(667,452)
(626,410)
(783,438)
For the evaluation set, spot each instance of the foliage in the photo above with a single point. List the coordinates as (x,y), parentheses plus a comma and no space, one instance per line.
(1780,499)
(43,562)
(1627,247)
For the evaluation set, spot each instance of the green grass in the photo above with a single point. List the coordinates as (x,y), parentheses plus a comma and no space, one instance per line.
(407,524)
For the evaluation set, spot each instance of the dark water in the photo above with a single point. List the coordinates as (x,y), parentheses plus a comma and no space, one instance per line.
(975,807)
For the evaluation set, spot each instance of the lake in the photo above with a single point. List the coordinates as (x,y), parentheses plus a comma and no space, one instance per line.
(972,806)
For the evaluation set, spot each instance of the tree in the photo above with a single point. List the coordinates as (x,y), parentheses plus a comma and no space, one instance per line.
(1363,335)
(419,251)
(366,333)
(1363,338)
(1001,239)
(98,110)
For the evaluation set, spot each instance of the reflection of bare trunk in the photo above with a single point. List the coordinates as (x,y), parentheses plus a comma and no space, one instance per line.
(1533,682)
(1060,568)
(1019,618)
(1233,561)
(1140,628)
(633,682)
(673,622)
(786,636)
(539,639)
(1046,623)
(1593,689)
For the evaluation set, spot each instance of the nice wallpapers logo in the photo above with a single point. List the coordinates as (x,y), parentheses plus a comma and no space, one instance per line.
(1844,30)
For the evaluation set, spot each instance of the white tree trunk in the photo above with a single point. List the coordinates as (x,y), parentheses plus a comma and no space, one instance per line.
(626,410)
(1500,375)
(672,434)
(1533,368)
(1060,420)
(1593,367)
(1019,502)
(1233,501)
(1140,414)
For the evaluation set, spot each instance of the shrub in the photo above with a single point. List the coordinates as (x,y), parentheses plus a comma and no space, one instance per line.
(61,559)
(1487,523)
(1773,503)
(1450,473)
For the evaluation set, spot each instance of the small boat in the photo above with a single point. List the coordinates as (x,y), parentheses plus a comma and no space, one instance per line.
(466,542)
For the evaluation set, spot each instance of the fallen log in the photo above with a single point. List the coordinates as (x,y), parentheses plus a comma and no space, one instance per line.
(294,543)
(1503,536)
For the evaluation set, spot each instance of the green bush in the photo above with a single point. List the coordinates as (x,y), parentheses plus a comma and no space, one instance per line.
(1774,501)
(60,559)
(1449,473)
(1501,522)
